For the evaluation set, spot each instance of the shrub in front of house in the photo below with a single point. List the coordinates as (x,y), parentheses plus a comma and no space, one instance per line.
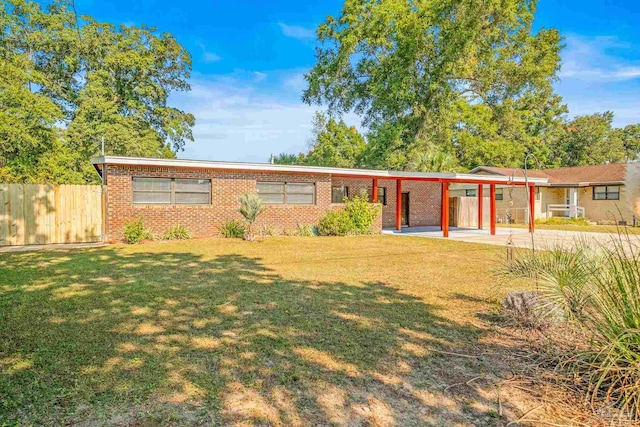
(179,232)
(564,221)
(362,213)
(233,229)
(306,231)
(357,217)
(135,231)
(336,223)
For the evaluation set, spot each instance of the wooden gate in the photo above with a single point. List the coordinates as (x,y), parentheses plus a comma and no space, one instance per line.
(38,214)
(463,212)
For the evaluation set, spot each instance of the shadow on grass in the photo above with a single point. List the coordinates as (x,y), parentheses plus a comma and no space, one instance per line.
(171,338)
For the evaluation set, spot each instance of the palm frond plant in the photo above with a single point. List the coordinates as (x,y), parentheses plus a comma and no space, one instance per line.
(251,206)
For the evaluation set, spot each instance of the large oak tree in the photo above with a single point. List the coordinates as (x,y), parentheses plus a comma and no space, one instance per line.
(69,81)
(467,77)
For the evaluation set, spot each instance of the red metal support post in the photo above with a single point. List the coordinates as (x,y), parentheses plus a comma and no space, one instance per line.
(480,206)
(532,208)
(374,196)
(492,208)
(445,209)
(441,207)
(398,204)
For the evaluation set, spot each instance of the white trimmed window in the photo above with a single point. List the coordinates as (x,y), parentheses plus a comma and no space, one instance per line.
(606,192)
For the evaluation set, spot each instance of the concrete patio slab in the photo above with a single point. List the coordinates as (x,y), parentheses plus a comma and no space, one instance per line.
(518,237)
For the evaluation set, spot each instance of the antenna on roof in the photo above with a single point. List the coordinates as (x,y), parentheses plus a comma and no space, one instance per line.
(102,148)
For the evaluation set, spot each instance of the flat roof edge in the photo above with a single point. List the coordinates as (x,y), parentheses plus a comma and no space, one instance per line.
(267,167)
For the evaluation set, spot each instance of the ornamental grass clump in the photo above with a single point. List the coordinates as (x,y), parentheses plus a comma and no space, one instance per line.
(179,232)
(233,229)
(597,288)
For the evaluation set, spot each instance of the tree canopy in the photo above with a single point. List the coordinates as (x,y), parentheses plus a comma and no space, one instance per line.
(468,81)
(333,143)
(69,81)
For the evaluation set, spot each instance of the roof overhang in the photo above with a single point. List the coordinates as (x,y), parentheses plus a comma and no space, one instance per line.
(99,162)
(583,184)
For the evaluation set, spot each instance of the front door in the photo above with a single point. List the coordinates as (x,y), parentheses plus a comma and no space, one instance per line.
(405,210)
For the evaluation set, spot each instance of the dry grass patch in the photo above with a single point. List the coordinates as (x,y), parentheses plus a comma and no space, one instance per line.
(376,330)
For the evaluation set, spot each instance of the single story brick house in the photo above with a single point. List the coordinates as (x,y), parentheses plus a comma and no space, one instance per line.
(605,194)
(202,195)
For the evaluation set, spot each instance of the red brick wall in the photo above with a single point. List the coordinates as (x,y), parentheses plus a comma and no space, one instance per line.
(424,199)
(226,186)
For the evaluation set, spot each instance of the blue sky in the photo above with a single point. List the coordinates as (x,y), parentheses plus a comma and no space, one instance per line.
(249,58)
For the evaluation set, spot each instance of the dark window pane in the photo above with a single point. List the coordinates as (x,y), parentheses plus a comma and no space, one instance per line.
(338,194)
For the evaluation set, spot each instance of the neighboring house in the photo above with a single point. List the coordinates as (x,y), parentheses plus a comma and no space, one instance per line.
(603,193)
(202,195)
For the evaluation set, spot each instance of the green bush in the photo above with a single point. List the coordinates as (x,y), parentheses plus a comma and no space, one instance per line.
(233,229)
(179,232)
(336,223)
(362,213)
(598,289)
(135,231)
(564,221)
(356,218)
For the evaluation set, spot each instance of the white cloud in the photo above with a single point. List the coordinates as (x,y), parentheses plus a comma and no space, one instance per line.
(208,56)
(239,119)
(591,59)
(259,76)
(296,82)
(297,32)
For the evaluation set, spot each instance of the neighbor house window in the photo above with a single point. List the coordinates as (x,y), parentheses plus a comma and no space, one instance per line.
(382,195)
(294,193)
(338,194)
(167,191)
(499,193)
(609,192)
(470,192)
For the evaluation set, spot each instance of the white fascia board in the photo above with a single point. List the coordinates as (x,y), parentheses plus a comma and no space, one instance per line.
(267,167)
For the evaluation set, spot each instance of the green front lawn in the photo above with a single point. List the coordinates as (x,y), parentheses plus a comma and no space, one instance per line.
(379,330)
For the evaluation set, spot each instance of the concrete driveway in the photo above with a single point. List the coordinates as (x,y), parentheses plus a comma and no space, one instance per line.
(543,239)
